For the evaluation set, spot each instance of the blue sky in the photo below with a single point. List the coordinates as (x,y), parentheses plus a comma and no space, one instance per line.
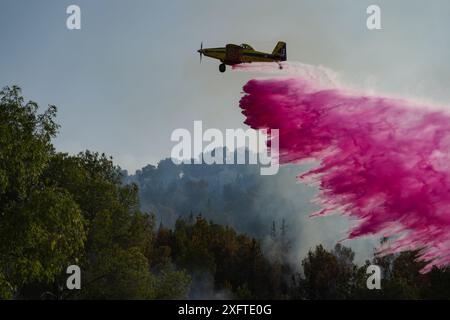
(131,75)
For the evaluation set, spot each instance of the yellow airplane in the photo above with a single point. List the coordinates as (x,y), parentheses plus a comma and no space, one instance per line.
(233,54)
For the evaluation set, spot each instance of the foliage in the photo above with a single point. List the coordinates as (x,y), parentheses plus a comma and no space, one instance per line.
(41,227)
(235,261)
(58,209)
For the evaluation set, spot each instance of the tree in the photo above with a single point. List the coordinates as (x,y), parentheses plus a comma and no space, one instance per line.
(220,260)
(328,275)
(117,259)
(57,210)
(41,227)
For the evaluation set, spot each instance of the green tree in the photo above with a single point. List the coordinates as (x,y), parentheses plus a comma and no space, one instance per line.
(57,210)
(328,275)
(220,260)
(41,227)
(118,255)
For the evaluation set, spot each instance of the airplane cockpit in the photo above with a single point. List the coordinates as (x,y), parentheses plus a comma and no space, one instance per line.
(246,46)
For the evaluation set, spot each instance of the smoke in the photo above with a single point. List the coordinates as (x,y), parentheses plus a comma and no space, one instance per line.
(383,162)
(202,287)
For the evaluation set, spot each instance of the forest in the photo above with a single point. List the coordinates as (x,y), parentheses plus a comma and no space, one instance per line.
(168,231)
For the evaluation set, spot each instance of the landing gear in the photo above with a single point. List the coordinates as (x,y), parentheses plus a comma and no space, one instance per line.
(280,66)
(222,67)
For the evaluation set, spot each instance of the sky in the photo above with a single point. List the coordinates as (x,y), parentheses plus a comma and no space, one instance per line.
(132,75)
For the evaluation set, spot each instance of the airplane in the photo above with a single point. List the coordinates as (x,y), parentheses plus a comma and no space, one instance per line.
(233,54)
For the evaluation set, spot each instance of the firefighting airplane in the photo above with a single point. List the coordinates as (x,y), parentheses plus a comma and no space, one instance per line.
(233,54)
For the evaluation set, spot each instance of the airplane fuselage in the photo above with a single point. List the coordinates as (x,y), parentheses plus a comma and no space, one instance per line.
(245,56)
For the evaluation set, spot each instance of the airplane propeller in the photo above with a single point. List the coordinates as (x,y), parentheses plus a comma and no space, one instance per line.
(201,51)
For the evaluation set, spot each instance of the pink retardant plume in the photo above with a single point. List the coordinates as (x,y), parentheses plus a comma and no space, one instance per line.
(384,162)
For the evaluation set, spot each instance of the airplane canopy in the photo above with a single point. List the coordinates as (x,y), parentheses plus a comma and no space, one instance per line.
(246,46)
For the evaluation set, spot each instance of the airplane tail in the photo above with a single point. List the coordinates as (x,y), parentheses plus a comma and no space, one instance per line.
(280,51)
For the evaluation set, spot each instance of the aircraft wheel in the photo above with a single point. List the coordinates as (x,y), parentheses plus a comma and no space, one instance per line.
(222,67)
